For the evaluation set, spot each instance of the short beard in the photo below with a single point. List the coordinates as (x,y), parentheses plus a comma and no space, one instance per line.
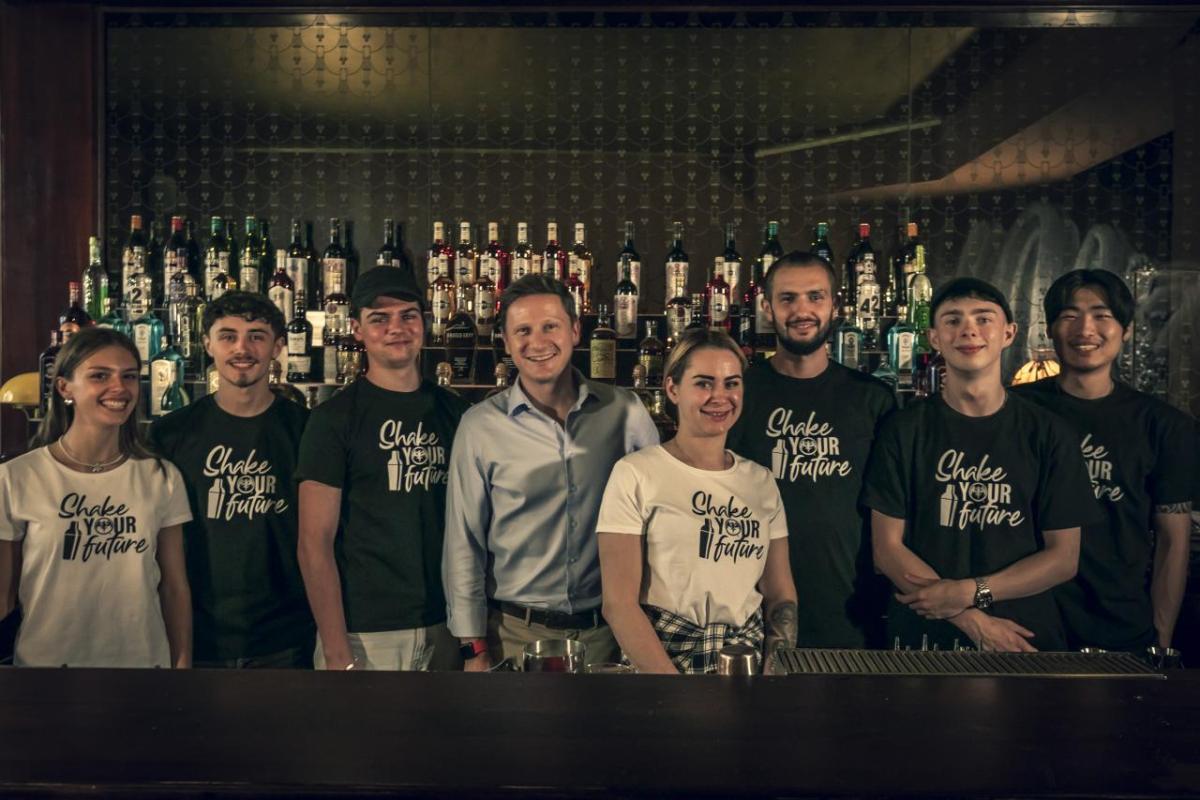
(804,348)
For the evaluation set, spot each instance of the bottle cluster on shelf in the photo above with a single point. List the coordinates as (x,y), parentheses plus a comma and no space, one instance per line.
(160,293)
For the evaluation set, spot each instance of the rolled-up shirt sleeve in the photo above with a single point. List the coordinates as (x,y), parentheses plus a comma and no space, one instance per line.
(464,550)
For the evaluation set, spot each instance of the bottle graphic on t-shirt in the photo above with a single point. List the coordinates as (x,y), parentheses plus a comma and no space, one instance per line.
(71,541)
(394,469)
(706,535)
(216,498)
(948,507)
(779,458)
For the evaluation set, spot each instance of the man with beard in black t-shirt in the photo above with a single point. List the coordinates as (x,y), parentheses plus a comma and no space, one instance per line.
(811,421)
(237,451)
(1141,457)
(977,496)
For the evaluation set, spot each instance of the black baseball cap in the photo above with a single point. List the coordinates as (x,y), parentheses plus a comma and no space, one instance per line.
(969,287)
(378,282)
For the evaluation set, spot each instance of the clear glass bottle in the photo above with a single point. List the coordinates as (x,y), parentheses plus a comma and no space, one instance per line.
(579,263)
(466,260)
(625,300)
(676,265)
(166,371)
(95,281)
(603,348)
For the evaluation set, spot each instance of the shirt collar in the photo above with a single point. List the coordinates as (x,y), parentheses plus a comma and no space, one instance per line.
(518,401)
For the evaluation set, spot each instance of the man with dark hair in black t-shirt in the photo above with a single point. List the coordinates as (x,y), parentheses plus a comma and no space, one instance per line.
(811,421)
(237,450)
(976,495)
(1141,456)
(372,473)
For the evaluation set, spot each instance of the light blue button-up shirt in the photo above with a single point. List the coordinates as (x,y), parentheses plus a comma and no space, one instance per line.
(523,500)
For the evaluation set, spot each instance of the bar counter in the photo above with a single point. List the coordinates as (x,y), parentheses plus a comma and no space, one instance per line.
(105,733)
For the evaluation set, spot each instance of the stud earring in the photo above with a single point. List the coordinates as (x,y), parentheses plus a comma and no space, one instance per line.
(69,401)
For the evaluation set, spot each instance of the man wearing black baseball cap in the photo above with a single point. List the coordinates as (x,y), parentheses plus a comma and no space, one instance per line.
(372,478)
(977,495)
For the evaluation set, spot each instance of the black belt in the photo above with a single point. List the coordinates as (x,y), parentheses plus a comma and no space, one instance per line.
(557,620)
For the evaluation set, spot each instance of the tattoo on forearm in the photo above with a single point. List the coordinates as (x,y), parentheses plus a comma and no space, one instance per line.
(1174,508)
(782,625)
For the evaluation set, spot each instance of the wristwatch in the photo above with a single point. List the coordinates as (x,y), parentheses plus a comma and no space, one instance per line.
(473,649)
(983,594)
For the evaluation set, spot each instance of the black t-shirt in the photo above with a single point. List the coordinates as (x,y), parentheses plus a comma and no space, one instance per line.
(976,494)
(815,435)
(388,452)
(247,594)
(1140,453)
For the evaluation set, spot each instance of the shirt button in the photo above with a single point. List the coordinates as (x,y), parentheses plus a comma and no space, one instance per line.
(572,524)
(571,488)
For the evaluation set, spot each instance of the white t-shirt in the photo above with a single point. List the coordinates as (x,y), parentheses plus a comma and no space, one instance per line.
(89,577)
(707,532)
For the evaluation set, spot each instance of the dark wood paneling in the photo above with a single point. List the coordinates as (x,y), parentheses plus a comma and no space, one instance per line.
(48,173)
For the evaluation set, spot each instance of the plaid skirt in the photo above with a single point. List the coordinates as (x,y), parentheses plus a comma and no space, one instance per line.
(694,648)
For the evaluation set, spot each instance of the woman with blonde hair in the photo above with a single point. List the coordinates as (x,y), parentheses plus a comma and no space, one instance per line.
(91,538)
(693,538)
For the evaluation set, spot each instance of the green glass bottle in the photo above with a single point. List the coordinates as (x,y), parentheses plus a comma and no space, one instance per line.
(95,281)
(250,266)
(901,350)
(112,318)
(848,344)
(147,335)
(886,373)
(166,370)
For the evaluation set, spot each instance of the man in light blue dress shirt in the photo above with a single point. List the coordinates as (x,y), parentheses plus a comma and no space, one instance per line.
(527,473)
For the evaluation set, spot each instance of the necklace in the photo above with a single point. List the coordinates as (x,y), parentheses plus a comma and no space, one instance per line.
(92,467)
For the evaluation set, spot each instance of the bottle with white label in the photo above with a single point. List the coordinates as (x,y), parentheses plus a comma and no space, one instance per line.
(466,264)
(166,368)
(147,334)
(716,297)
(438,260)
(772,250)
(554,257)
(494,259)
(484,306)
(580,263)
(677,266)
(522,257)
(731,266)
(630,252)
(333,261)
(626,301)
(299,343)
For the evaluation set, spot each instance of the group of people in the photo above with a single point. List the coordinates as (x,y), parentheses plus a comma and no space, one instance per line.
(394,527)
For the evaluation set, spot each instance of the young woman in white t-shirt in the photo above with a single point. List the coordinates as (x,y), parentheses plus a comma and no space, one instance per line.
(693,538)
(91,536)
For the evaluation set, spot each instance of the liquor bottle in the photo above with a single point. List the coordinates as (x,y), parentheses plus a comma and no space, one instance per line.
(222,283)
(868,304)
(193,248)
(626,300)
(73,318)
(186,326)
(677,313)
(299,343)
(297,265)
(554,257)
(579,262)
(331,337)
(154,262)
(745,333)
(820,245)
(95,281)
(283,388)
(904,266)
(249,276)
(444,374)
(174,398)
(466,265)
(493,262)
(522,257)
(650,354)
(441,306)
(112,317)
(731,266)
(352,259)
(133,255)
(500,355)
(603,347)
(772,250)
(174,260)
(716,297)
(461,339)
(501,375)
(166,369)
(920,294)
(639,386)
(46,370)
(350,359)
(695,314)
(386,255)
(314,279)
(266,251)
(578,292)
(886,373)
(848,345)
(630,253)
(661,418)
(337,304)
(753,300)
(282,292)
(930,374)
(333,260)
(234,252)
(902,350)
(216,255)
(677,266)
(484,305)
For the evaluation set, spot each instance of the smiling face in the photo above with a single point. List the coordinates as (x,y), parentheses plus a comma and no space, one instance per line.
(971,335)
(1087,337)
(392,331)
(801,308)
(103,389)
(242,350)
(709,394)
(540,337)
